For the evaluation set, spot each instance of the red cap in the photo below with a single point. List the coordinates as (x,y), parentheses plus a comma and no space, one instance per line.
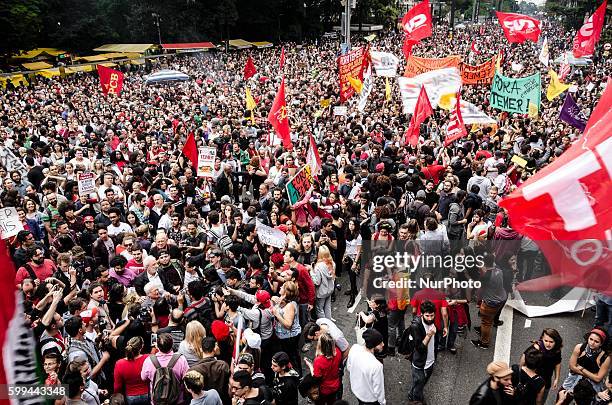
(263,297)
(88,218)
(220,330)
(88,315)
(380,167)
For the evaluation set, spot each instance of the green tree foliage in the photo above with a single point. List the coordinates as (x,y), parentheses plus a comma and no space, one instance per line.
(20,25)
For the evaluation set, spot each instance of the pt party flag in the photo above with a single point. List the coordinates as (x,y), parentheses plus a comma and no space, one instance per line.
(456,128)
(190,150)
(279,116)
(422,110)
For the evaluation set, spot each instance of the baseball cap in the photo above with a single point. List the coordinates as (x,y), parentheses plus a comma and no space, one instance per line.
(498,369)
(263,297)
(89,314)
(253,339)
(88,218)
(220,330)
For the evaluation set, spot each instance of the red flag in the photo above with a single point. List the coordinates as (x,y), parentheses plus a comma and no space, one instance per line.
(456,128)
(565,67)
(518,27)
(407,47)
(589,33)
(475,48)
(422,110)
(417,22)
(111,80)
(249,69)
(482,29)
(279,118)
(190,150)
(312,157)
(282,58)
(566,208)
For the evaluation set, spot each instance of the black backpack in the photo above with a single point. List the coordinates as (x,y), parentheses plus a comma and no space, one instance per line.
(407,344)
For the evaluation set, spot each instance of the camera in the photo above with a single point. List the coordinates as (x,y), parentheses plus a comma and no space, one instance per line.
(144,315)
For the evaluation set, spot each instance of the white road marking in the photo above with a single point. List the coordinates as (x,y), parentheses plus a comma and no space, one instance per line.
(503,338)
(527,323)
(357,300)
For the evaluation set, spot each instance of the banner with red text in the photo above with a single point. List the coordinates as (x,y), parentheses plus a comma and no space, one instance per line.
(416,65)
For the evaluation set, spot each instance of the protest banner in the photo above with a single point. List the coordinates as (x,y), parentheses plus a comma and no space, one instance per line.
(340,110)
(349,65)
(515,94)
(478,74)
(473,115)
(416,66)
(385,64)
(206,161)
(10,225)
(270,236)
(299,185)
(87,183)
(437,83)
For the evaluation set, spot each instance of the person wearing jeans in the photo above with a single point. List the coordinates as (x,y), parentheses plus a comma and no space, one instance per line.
(323,277)
(422,332)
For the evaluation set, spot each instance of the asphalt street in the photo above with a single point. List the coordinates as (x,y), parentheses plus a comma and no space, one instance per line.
(455,377)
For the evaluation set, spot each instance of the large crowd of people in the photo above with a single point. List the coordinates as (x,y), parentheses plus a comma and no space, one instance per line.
(155,288)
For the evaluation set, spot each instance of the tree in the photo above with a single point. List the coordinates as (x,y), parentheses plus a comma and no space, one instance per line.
(20,24)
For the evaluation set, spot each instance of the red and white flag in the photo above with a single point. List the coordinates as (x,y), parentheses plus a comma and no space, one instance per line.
(279,116)
(565,67)
(249,69)
(111,80)
(475,49)
(417,22)
(482,30)
(312,157)
(407,47)
(565,208)
(588,35)
(422,110)
(456,128)
(518,27)
(282,58)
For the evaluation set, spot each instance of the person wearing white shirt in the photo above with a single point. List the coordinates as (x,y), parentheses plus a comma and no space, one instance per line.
(365,371)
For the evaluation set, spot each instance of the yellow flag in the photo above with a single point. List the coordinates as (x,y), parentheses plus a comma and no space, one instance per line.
(474,128)
(498,62)
(370,38)
(533,110)
(446,101)
(325,103)
(356,84)
(555,87)
(250,103)
(387,89)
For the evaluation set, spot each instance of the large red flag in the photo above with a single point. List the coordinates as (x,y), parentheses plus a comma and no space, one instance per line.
(282,58)
(279,118)
(589,33)
(518,27)
(566,208)
(456,128)
(422,110)
(190,150)
(407,47)
(111,80)
(417,22)
(249,69)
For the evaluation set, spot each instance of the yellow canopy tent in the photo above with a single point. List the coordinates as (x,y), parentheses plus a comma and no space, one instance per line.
(137,48)
(240,44)
(17,80)
(137,61)
(107,64)
(39,52)
(263,44)
(83,68)
(92,58)
(36,65)
(49,73)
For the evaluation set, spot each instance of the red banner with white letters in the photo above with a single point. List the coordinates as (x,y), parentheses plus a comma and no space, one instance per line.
(518,27)
(588,35)
(417,22)
(111,80)
(456,128)
(566,209)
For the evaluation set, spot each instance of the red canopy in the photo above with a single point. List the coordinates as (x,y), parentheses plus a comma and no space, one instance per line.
(189,45)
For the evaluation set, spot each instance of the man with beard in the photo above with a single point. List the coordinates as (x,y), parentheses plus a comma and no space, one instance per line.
(36,268)
(421,333)
(366,372)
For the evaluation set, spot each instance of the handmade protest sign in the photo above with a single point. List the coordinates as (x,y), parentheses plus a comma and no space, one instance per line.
(270,236)
(10,225)
(478,74)
(515,94)
(349,65)
(299,185)
(416,65)
(87,183)
(206,161)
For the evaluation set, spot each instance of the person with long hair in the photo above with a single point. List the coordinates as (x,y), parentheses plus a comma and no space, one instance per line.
(191,346)
(549,344)
(127,374)
(326,368)
(323,277)
(351,257)
(287,326)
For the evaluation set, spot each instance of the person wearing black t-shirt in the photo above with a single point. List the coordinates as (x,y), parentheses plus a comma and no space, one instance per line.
(549,344)
(528,385)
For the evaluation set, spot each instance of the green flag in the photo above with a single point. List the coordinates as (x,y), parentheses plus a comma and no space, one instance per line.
(515,95)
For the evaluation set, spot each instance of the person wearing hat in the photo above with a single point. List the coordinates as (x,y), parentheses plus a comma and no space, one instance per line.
(365,371)
(496,389)
(247,362)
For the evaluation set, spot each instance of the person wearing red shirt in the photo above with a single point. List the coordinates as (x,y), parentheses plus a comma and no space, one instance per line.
(127,374)
(326,367)
(433,171)
(306,288)
(41,267)
(438,298)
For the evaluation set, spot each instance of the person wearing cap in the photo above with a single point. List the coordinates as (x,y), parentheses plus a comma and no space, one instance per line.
(497,389)
(366,373)
(246,362)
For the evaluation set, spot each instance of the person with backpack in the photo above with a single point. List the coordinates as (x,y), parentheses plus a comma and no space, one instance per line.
(418,209)
(528,386)
(418,345)
(164,371)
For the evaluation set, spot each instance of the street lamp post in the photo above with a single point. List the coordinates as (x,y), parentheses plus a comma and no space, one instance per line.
(157,20)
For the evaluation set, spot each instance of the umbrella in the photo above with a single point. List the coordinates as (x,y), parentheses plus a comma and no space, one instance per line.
(164,76)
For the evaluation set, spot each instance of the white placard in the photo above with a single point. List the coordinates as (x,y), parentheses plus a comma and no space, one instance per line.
(9,222)
(270,236)
(340,110)
(87,183)
(206,161)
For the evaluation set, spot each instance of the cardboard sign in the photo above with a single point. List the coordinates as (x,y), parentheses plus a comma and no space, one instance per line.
(514,94)
(299,185)
(87,183)
(206,161)
(9,222)
(519,160)
(270,236)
